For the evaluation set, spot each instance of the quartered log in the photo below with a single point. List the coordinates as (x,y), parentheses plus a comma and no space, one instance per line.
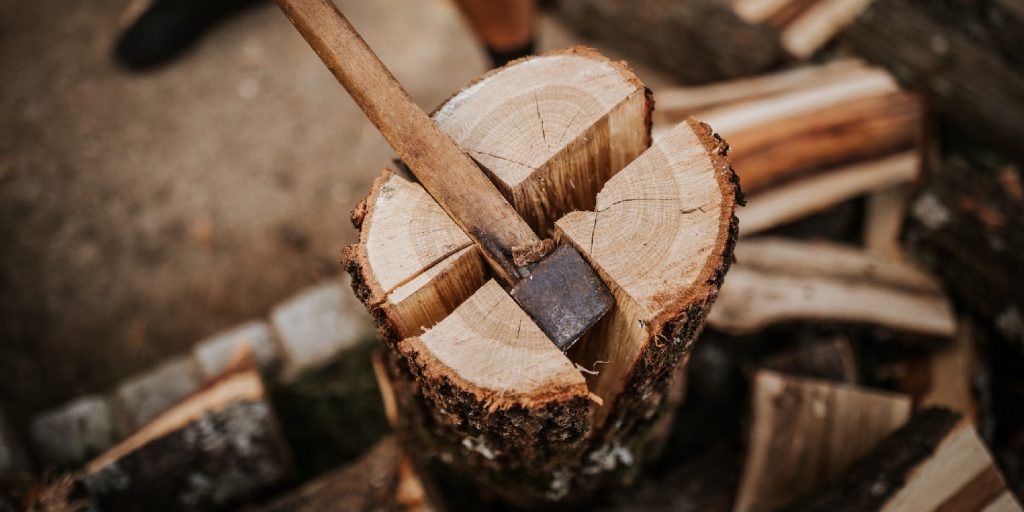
(476,382)
(805,432)
(934,463)
(805,140)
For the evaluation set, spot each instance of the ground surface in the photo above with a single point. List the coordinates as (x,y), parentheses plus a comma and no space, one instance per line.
(139,213)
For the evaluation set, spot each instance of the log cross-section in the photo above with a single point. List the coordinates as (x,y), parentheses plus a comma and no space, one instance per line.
(565,137)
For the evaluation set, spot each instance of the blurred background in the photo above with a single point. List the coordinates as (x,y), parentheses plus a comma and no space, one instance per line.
(145,207)
(143,211)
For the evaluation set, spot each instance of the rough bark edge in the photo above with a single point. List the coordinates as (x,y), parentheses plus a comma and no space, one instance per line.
(431,437)
(356,263)
(672,334)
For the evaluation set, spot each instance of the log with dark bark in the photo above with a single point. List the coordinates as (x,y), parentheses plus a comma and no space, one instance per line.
(934,463)
(475,381)
(966,53)
(968,225)
(808,139)
(698,41)
(216,448)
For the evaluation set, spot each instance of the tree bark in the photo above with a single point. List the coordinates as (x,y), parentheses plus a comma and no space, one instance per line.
(966,53)
(218,447)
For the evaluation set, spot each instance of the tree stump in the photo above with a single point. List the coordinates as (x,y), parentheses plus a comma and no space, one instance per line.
(475,381)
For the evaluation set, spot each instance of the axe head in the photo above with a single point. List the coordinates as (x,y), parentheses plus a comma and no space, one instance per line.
(564,296)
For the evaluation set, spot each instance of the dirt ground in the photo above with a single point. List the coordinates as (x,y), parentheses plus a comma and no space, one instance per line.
(141,212)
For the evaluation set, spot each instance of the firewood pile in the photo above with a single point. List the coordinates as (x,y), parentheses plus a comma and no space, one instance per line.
(816,270)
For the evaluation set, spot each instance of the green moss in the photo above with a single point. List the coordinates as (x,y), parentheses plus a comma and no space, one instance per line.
(332,415)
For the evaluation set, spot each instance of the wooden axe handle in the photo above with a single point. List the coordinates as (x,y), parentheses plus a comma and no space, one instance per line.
(448,173)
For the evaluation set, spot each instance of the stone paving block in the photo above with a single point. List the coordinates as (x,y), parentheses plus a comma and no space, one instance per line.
(214,353)
(74,432)
(13,456)
(317,324)
(144,396)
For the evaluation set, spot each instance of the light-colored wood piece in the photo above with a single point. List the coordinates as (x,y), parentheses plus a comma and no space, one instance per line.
(490,347)
(739,116)
(796,200)
(806,432)
(669,213)
(808,139)
(776,281)
(543,129)
(758,11)
(677,103)
(883,220)
(412,262)
(951,371)
(819,24)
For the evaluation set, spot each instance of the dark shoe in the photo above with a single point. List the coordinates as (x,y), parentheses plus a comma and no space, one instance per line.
(500,58)
(169,27)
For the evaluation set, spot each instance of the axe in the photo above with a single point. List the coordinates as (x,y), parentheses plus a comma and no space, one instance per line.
(554,285)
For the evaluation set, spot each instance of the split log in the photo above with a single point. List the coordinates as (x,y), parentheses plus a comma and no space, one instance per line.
(218,447)
(965,53)
(778,281)
(831,360)
(805,140)
(806,432)
(475,380)
(933,463)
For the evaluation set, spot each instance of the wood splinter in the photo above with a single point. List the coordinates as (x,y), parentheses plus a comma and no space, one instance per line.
(475,382)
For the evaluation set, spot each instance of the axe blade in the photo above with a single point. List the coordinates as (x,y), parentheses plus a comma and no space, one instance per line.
(564,296)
